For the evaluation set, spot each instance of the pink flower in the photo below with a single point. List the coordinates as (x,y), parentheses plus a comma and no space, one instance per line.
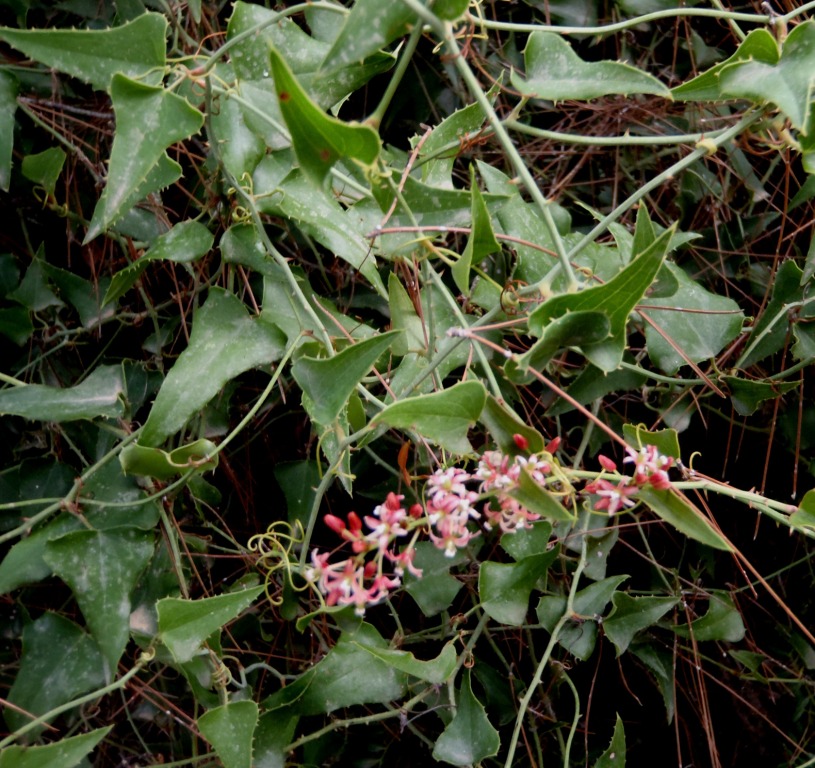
(511,515)
(402,560)
(650,466)
(613,498)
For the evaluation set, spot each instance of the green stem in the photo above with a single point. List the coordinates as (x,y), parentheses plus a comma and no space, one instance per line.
(66,501)
(445,32)
(536,679)
(378,114)
(93,696)
(607,29)
(657,181)
(609,141)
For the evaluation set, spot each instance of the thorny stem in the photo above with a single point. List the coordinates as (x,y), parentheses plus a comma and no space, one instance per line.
(523,705)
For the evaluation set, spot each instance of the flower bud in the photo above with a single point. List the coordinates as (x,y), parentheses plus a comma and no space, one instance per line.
(334,523)
(521,442)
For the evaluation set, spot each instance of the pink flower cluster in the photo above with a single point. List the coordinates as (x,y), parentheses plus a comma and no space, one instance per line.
(650,468)
(363,579)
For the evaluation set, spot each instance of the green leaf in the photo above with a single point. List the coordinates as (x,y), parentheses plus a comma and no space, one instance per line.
(240,148)
(317,214)
(614,756)
(8,109)
(555,72)
(787,84)
(153,462)
(65,753)
(528,542)
(148,120)
(404,318)
(328,383)
(84,296)
(44,168)
(101,568)
(185,242)
(136,49)
(701,333)
(617,298)
(436,671)
(438,170)
(469,738)
(538,500)
(502,423)
(579,636)
(662,665)
(805,514)
(443,417)
(574,329)
(683,516)
(319,141)
(769,333)
(632,615)
(759,46)
(437,588)
(504,588)
(481,242)
(16,325)
(747,396)
(59,663)
(275,731)
(721,622)
(230,729)
(371,25)
(184,625)
(101,394)
(666,440)
(25,562)
(33,292)
(211,359)
(350,674)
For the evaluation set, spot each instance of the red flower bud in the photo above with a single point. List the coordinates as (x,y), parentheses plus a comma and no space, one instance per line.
(606,463)
(354,523)
(521,442)
(370,569)
(416,510)
(334,523)
(553,445)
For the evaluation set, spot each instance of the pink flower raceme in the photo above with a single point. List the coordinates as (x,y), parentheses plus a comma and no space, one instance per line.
(448,516)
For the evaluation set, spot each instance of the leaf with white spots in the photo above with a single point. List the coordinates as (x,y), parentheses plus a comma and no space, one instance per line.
(101,568)
(184,625)
(65,753)
(135,49)
(225,341)
(230,729)
(148,120)
(614,756)
(59,663)
(555,72)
